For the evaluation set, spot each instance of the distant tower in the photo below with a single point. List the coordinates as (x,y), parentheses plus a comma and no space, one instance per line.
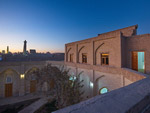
(7,49)
(25,48)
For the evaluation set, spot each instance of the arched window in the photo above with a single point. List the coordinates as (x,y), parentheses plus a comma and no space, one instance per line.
(103,90)
(8,79)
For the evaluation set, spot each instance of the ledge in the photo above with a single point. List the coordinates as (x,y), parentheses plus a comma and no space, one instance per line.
(116,101)
(127,73)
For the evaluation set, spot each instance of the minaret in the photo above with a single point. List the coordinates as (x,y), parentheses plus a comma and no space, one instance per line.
(25,48)
(7,49)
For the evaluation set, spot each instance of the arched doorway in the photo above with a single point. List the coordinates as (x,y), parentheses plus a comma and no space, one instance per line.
(9,82)
(52,84)
(30,81)
(32,86)
(8,87)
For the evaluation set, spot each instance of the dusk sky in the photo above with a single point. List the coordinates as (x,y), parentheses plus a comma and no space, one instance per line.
(48,24)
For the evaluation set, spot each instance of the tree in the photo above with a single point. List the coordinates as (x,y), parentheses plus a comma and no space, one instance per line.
(67,88)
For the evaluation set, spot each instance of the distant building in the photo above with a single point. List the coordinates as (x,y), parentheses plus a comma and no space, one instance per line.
(25,48)
(3,51)
(32,51)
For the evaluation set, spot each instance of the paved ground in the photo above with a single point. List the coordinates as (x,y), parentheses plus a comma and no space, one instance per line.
(12,100)
(36,105)
(15,108)
(29,109)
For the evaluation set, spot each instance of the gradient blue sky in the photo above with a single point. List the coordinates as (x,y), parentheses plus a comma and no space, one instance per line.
(48,24)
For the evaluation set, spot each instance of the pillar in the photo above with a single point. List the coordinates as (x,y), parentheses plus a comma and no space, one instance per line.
(22,80)
(65,53)
(76,54)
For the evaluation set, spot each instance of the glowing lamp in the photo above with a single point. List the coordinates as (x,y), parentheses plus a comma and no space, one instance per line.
(91,84)
(22,76)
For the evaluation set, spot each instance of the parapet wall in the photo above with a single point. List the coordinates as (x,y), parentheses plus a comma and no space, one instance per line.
(23,67)
(127,73)
(121,100)
(103,76)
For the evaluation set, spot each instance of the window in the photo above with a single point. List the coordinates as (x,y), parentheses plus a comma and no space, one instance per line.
(8,80)
(103,90)
(105,59)
(84,58)
(71,57)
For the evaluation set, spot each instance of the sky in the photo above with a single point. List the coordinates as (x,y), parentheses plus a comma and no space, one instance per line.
(48,25)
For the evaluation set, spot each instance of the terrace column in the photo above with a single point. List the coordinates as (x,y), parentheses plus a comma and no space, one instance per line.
(22,81)
(91,52)
(93,55)
(94,85)
(76,53)
(65,53)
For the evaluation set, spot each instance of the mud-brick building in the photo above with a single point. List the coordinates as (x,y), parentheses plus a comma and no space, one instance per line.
(110,60)
(115,61)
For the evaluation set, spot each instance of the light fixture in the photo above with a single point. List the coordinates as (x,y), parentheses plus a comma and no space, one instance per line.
(91,84)
(22,76)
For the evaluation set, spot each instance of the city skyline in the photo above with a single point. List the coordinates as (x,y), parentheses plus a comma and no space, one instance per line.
(48,25)
(6,49)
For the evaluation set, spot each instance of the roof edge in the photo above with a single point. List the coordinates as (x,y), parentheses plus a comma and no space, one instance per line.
(136,26)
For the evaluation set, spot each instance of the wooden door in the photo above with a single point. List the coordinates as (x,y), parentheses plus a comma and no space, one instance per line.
(135,61)
(51,84)
(8,90)
(32,86)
